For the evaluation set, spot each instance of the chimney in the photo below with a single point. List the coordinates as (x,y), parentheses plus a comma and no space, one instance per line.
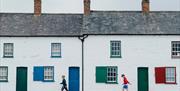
(145,6)
(87,7)
(37,7)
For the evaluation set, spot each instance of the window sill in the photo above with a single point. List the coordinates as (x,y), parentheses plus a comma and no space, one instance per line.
(3,80)
(173,83)
(48,81)
(108,82)
(175,57)
(115,57)
(55,56)
(111,82)
(8,57)
(168,83)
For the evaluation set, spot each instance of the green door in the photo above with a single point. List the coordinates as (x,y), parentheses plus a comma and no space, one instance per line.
(21,79)
(143,81)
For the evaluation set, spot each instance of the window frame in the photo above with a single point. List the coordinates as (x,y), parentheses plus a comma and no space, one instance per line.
(4,51)
(172,43)
(114,67)
(166,76)
(120,54)
(7,74)
(48,80)
(52,51)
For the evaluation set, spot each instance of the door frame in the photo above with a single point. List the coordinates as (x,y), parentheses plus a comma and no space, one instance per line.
(138,76)
(69,75)
(26,68)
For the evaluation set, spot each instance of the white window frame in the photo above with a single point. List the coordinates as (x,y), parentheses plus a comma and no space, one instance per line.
(175,49)
(3,74)
(111,78)
(55,49)
(8,49)
(48,73)
(170,75)
(115,49)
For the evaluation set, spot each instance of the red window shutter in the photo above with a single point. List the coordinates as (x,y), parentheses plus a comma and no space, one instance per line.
(160,74)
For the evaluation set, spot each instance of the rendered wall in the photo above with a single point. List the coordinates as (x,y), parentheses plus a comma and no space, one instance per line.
(36,51)
(137,51)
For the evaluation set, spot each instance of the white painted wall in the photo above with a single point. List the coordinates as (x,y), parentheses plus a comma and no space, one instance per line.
(36,51)
(76,6)
(137,51)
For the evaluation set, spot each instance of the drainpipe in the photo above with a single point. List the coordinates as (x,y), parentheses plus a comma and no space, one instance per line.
(82,38)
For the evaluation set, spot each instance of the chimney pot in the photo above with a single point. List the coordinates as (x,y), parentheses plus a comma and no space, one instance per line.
(145,6)
(37,7)
(87,7)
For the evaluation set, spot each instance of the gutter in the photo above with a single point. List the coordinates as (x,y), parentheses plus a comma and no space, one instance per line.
(134,34)
(82,38)
(39,35)
(84,34)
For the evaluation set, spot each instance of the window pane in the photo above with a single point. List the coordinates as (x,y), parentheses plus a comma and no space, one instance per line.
(115,48)
(112,74)
(56,49)
(175,49)
(8,49)
(48,73)
(3,73)
(170,74)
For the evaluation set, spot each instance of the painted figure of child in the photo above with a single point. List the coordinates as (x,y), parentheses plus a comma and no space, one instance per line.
(64,83)
(125,83)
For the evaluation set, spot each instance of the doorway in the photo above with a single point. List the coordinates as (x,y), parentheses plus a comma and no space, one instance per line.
(21,79)
(74,78)
(143,79)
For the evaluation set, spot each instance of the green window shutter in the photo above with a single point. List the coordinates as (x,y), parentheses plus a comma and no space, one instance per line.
(101,74)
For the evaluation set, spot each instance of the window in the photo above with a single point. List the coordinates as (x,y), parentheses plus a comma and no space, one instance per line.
(3,74)
(48,73)
(170,75)
(165,75)
(106,74)
(8,50)
(55,49)
(111,74)
(44,73)
(115,49)
(175,49)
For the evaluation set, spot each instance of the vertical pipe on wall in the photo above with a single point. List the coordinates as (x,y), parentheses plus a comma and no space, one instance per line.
(82,38)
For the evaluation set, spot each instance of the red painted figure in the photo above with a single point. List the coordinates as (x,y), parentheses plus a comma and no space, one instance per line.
(125,83)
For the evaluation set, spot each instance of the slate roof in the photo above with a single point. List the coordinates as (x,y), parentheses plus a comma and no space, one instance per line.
(98,22)
(44,25)
(132,22)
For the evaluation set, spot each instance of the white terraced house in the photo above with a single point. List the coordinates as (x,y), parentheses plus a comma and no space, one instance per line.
(92,50)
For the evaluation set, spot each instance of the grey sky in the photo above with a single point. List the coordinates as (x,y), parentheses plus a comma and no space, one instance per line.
(76,6)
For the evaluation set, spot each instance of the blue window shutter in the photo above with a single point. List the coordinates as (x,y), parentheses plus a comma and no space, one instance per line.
(38,73)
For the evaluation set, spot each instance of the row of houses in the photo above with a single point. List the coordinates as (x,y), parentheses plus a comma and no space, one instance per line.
(92,50)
